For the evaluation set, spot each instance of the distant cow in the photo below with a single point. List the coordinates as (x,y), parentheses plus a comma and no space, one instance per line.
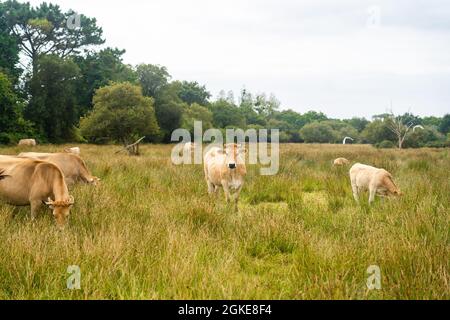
(340,162)
(74,150)
(377,181)
(27,142)
(225,167)
(71,165)
(33,182)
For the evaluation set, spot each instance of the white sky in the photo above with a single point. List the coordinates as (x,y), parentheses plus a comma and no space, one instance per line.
(344,57)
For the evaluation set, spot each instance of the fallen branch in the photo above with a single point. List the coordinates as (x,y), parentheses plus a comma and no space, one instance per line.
(132,149)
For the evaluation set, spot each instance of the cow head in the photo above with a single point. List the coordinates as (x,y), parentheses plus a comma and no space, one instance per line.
(93,180)
(233,154)
(61,210)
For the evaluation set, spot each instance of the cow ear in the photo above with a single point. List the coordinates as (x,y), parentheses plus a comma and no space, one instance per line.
(49,203)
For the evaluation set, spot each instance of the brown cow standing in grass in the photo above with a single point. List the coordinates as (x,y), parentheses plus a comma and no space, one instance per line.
(72,165)
(225,167)
(377,181)
(33,182)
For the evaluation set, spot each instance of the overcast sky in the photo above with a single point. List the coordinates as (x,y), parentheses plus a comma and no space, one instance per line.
(343,57)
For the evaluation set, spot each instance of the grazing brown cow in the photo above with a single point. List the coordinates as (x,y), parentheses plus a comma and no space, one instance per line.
(72,166)
(33,182)
(340,162)
(377,181)
(225,167)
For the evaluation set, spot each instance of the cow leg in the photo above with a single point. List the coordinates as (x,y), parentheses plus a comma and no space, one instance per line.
(226,190)
(355,191)
(35,206)
(211,187)
(372,192)
(236,198)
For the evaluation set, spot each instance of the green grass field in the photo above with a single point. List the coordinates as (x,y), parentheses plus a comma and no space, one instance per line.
(150,231)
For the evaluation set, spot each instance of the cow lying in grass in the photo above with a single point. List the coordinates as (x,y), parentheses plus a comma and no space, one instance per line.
(377,181)
(225,167)
(34,182)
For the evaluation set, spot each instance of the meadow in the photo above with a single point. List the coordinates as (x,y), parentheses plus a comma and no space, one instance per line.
(149,230)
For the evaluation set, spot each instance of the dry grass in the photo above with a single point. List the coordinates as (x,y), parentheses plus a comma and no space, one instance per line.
(150,231)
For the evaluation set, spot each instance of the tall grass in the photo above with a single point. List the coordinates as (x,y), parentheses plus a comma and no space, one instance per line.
(150,231)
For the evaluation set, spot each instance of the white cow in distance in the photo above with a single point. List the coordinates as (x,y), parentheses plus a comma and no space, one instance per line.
(27,142)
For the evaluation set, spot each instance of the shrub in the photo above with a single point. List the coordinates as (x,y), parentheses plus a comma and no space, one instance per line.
(385,144)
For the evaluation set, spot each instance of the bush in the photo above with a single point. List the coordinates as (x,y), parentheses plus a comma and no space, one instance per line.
(385,144)
(438,144)
(121,113)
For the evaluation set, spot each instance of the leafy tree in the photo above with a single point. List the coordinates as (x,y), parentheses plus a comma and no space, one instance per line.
(98,69)
(294,119)
(53,108)
(43,30)
(444,126)
(226,96)
(196,112)
(247,109)
(12,124)
(312,116)
(226,114)
(431,121)
(192,92)
(8,101)
(266,106)
(318,132)
(358,123)
(286,133)
(169,110)
(377,131)
(423,137)
(153,78)
(121,113)
(341,130)
(9,49)
(401,125)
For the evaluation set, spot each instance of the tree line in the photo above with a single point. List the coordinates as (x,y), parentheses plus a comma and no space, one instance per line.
(58,84)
